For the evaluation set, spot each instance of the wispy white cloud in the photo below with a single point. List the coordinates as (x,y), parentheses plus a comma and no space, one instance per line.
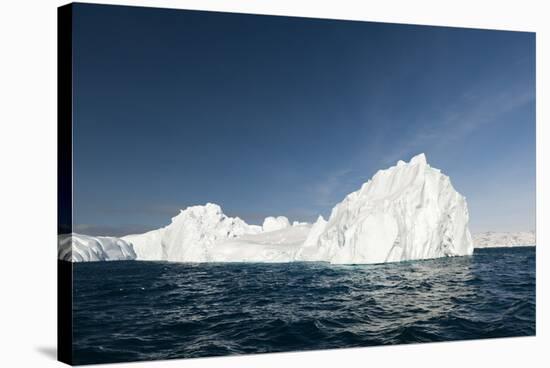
(329,189)
(474,110)
(451,124)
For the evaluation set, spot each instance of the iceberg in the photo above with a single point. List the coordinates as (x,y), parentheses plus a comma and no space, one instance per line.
(407,212)
(84,248)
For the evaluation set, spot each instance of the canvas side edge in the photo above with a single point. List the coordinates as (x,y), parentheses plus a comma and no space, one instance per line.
(64,179)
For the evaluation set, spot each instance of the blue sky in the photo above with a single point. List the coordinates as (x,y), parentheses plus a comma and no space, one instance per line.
(285,116)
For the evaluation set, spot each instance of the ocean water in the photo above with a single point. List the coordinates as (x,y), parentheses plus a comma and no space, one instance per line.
(129,311)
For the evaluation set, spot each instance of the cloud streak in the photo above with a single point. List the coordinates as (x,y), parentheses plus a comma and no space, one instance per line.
(474,110)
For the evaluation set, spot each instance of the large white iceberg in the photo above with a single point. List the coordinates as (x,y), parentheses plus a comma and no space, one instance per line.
(407,212)
(84,248)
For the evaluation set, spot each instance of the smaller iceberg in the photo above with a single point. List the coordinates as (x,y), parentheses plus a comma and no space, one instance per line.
(192,236)
(275,223)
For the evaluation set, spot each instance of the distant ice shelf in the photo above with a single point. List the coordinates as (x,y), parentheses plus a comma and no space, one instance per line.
(493,239)
(409,211)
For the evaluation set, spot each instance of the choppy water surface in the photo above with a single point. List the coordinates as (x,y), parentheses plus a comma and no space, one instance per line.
(127,311)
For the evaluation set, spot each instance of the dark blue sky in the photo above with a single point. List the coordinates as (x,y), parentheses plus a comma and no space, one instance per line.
(285,116)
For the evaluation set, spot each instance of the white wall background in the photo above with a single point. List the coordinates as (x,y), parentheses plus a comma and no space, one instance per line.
(28,180)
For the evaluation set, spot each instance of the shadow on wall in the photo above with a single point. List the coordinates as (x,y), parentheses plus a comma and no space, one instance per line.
(48,351)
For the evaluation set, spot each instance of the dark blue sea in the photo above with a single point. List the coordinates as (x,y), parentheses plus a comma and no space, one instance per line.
(129,311)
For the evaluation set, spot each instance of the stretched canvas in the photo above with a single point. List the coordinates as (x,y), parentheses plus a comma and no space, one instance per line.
(243,184)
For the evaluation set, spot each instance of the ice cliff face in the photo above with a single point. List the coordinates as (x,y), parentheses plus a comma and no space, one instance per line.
(148,246)
(83,248)
(309,249)
(407,212)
